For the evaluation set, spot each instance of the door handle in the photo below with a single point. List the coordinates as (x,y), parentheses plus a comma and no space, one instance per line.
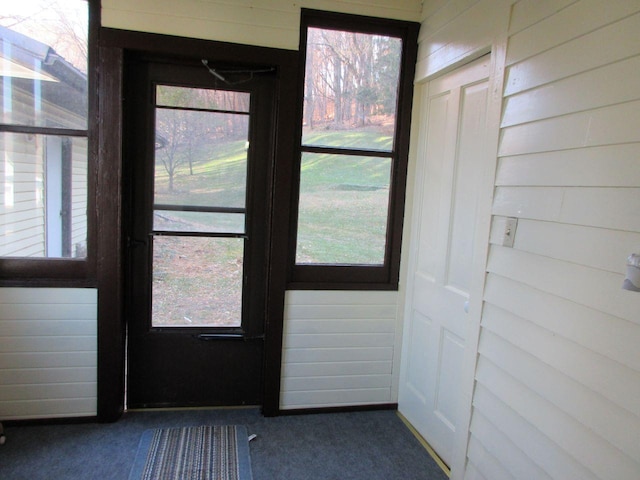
(466,306)
(219,336)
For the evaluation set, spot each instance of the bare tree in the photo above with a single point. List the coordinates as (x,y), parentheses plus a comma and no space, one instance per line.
(349,77)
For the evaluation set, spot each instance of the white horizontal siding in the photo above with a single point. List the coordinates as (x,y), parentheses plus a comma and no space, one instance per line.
(570,20)
(443,43)
(48,353)
(605,166)
(557,371)
(535,366)
(609,44)
(339,349)
(268,23)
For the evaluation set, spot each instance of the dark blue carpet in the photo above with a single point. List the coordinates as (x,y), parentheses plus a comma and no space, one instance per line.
(339,446)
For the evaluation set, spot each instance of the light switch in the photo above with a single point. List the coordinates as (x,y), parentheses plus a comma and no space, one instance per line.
(509,235)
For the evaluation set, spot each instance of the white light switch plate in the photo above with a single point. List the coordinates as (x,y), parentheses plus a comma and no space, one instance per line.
(509,235)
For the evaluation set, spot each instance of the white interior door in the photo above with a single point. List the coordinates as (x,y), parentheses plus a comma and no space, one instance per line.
(448,173)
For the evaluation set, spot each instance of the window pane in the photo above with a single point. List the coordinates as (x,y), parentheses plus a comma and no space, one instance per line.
(201,158)
(351,89)
(203,222)
(202,98)
(43,63)
(43,196)
(343,209)
(197,281)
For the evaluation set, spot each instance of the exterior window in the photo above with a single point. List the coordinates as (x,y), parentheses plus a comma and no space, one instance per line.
(43,129)
(353,150)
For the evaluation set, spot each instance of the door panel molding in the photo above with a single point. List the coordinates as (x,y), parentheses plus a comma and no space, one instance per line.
(430,393)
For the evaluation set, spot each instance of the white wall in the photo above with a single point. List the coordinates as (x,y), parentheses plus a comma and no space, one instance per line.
(271,23)
(556,378)
(267,23)
(340,349)
(48,353)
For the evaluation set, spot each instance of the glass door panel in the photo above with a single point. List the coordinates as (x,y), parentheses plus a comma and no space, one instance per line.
(199,213)
(197,281)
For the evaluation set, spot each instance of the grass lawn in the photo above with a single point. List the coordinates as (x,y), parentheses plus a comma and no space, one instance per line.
(342,219)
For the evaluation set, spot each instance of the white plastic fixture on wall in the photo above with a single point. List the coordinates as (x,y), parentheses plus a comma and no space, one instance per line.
(632,279)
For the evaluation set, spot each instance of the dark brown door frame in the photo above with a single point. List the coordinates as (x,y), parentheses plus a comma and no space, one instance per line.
(109,187)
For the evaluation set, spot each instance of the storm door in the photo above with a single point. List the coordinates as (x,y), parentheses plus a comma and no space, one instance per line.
(198,162)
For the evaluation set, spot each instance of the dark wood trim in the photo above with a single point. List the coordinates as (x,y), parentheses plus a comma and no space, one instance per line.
(114,44)
(360,277)
(353,408)
(37,272)
(403,133)
(356,152)
(111,328)
(190,48)
(286,116)
(66,272)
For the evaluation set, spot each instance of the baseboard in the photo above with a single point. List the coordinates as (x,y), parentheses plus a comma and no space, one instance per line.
(443,466)
(341,409)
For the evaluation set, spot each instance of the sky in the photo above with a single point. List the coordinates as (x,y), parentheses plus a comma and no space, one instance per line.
(41,19)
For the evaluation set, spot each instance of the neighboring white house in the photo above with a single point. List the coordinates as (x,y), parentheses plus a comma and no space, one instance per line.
(43,178)
(549,386)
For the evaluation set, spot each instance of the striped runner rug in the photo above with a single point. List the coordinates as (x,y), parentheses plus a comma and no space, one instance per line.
(210,452)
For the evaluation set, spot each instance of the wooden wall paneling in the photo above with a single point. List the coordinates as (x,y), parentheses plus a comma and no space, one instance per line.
(577,19)
(596,454)
(610,207)
(593,247)
(344,324)
(33,376)
(36,409)
(337,347)
(310,369)
(340,340)
(472,36)
(593,288)
(546,454)
(471,473)
(273,23)
(603,166)
(329,355)
(48,346)
(341,382)
(616,426)
(497,445)
(600,332)
(333,398)
(606,45)
(567,95)
(609,379)
(486,463)
(603,126)
(526,13)
(437,15)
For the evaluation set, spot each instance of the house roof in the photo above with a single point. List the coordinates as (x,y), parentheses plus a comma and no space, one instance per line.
(24,50)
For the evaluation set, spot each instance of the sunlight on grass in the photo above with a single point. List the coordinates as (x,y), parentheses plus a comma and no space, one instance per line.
(343,199)
(343,205)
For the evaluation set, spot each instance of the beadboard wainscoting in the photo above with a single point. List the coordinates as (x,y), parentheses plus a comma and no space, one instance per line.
(48,353)
(339,349)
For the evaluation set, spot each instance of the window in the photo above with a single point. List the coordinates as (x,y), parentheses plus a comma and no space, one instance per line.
(357,93)
(44,179)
